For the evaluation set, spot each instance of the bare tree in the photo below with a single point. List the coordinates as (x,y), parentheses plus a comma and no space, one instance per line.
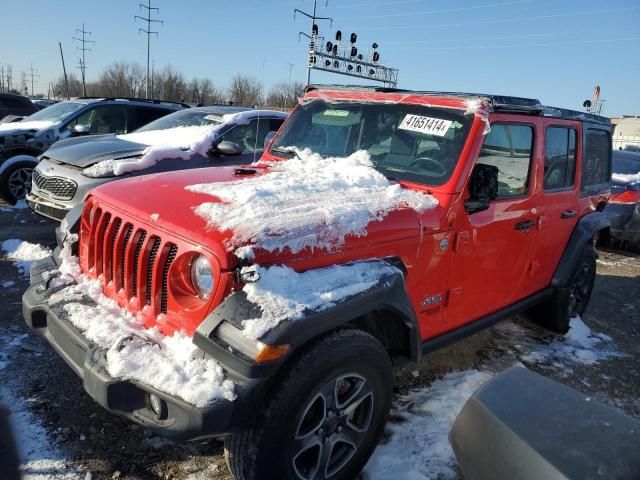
(246,91)
(170,85)
(285,95)
(75,86)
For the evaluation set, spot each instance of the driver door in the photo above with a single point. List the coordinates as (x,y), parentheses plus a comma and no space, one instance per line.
(491,258)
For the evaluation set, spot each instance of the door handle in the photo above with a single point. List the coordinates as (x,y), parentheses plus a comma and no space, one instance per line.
(526,225)
(568,214)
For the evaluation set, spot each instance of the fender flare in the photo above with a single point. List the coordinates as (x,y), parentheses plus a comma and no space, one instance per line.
(582,234)
(389,294)
(4,166)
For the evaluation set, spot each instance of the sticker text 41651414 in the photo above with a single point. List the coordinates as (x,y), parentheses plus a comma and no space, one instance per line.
(429,125)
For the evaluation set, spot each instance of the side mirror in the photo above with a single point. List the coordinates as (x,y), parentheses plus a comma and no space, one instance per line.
(483,187)
(226,147)
(78,130)
(268,139)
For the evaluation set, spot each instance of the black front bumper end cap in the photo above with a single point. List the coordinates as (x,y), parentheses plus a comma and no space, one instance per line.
(179,420)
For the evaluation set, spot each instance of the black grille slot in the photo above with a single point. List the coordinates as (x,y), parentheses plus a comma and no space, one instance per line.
(55,186)
(152,259)
(173,251)
(114,235)
(136,257)
(127,237)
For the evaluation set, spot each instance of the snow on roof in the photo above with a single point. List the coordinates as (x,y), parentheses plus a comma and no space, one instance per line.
(626,178)
(284,294)
(307,201)
(169,364)
(243,118)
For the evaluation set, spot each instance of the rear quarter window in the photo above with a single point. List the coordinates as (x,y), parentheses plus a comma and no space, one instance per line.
(596,162)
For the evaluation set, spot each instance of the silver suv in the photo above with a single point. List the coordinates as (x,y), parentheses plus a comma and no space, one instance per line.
(193,138)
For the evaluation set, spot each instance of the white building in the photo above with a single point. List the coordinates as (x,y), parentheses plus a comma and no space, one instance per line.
(626,132)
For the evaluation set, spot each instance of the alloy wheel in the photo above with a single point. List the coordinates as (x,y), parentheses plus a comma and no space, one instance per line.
(580,288)
(334,424)
(20,182)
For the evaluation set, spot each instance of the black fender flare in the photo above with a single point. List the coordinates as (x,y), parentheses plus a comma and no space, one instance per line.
(389,294)
(582,234)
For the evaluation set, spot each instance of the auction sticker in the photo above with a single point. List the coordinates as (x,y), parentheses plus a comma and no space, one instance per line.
(429,125)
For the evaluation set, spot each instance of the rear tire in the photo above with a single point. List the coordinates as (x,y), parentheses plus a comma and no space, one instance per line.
(15,182)
(554,314)
(324,416)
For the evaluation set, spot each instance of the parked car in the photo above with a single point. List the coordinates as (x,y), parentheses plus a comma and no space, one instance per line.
(623,208)
(71,168)
(18,105)
(379,224)
(22,142)
(43,102)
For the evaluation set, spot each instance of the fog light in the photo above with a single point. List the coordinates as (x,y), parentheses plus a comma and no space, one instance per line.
(156,404)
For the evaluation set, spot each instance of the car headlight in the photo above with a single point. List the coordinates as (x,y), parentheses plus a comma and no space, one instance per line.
(202,277)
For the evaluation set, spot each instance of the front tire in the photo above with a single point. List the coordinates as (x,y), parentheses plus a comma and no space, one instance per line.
(15,182)
(324,416)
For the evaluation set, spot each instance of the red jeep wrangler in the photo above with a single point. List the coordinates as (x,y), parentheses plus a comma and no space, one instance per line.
(379,225)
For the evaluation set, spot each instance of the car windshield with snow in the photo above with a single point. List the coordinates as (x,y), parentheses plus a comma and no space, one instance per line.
(190,138)
(22,142)
(269,304)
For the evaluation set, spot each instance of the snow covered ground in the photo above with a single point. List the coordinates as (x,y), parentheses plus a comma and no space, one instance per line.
(24,253)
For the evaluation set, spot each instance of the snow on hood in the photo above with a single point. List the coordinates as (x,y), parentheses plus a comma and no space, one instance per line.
(25,125)
(626,178)
(179,142)
(169,364)
(308,201)
(284,294)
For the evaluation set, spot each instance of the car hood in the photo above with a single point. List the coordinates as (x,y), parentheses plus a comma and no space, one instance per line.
(144,198)
(85,151)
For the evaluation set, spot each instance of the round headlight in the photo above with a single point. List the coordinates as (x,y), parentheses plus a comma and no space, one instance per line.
(202,277)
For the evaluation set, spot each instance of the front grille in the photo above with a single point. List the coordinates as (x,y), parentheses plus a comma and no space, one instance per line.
(57,187)
(131,262)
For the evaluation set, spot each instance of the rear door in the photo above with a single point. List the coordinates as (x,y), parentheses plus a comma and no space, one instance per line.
(558,209)
(492,248)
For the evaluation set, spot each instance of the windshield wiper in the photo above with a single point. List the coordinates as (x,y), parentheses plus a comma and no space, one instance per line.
(285,152)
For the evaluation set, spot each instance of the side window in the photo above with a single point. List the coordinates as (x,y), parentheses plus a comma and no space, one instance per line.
(140,116)
(559,158)
(596,161)
(251,136)
(103,119)
(510,148)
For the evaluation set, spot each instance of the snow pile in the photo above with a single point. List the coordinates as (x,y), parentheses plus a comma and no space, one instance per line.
(626,178)
(169,364)
(283,294)
(25,125)
(580,346)
(307,201)
(169,145)
(419,445)
(24,253)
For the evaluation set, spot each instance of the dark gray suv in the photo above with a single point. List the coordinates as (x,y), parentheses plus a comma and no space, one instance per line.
(22,142)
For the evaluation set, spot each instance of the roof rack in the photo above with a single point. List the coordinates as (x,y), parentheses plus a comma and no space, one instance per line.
(134,99)
(499,103)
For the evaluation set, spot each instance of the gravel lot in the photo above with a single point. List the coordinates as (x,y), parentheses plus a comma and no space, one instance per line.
(66,435)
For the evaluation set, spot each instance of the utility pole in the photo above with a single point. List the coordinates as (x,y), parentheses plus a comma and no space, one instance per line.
(9,79)
(83,63)
(64,69)
(313,38)
(148,31)
(2,78)
(33,75)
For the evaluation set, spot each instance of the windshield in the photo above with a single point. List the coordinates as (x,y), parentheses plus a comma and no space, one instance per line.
(626,163)
(183,118)
(55,112)
(405,142)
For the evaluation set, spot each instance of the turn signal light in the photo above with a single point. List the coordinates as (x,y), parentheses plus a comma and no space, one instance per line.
(269,353)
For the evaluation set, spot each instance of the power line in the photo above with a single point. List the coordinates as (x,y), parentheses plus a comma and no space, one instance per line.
(83,61)
(33,76)
(503,20)
(505,37)
(148,31)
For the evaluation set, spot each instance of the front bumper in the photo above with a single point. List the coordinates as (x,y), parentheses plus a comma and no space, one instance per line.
(625,221)
(179,420)
(47,208)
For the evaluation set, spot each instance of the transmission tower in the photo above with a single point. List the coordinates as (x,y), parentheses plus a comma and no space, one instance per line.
(148,31)
(313,38)
(83,61)
(33,73)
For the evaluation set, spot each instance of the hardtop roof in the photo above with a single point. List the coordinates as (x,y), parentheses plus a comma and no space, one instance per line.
(497,103)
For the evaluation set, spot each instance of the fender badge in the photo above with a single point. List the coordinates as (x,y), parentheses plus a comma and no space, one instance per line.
(444,243)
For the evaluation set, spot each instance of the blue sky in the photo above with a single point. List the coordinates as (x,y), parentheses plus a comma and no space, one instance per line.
(553,50)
